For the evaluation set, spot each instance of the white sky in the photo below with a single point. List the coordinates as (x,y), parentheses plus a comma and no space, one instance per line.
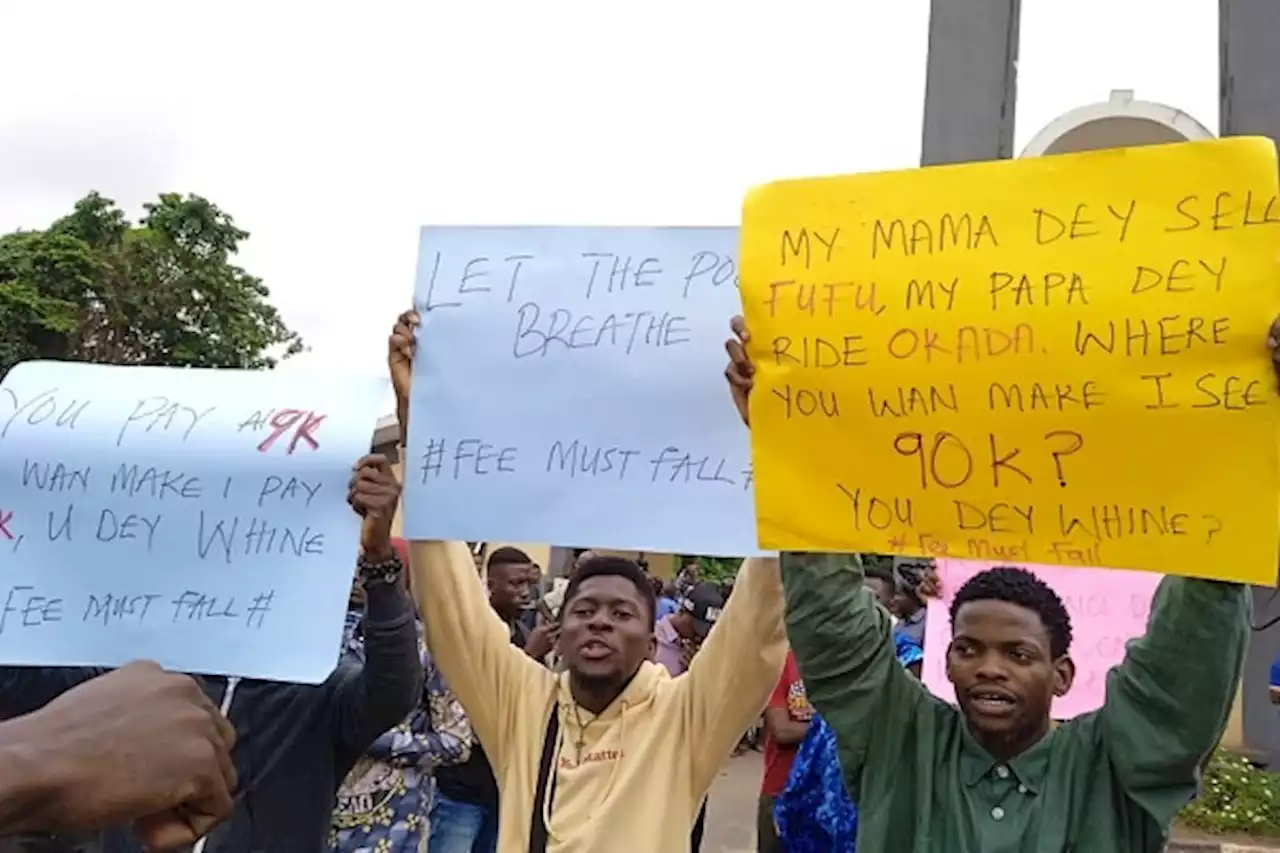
(333,135)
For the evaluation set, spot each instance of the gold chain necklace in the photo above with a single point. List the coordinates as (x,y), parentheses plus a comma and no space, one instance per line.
(581,739)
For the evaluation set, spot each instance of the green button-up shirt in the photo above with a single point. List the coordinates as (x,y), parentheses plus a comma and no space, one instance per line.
(1106,782)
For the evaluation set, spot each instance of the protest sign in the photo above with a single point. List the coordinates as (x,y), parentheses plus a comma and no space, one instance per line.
(1059,360)
(197,518)
(569,388)
(1107,609)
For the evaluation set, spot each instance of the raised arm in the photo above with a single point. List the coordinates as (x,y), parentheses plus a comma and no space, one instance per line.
(844,645)
(470,643)
(436,731)
(736,669)
(1167,703)
(373,697)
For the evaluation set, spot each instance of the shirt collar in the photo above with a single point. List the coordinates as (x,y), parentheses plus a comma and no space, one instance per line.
(1029,768)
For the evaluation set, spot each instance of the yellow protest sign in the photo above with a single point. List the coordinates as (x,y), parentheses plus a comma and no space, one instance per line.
(1060,360)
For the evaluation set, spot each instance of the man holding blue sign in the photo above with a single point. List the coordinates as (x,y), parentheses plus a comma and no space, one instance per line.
(576,753)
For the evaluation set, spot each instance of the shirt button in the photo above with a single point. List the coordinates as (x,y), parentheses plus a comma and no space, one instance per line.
(1022,789)
(997,813)
(1002,772)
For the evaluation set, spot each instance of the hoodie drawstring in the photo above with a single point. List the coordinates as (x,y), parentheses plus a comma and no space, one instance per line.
(546,805)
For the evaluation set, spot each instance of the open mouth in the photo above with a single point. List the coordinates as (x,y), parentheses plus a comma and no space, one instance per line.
(990,702)
(595,650)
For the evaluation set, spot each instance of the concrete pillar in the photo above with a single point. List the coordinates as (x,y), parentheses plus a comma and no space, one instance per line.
(1249,88)
(971,86)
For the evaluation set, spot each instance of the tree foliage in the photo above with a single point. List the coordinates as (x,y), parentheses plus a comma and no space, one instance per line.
(715,569)
(92,287)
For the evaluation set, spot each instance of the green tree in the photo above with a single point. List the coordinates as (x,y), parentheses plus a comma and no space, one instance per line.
(714,569)
(92,287)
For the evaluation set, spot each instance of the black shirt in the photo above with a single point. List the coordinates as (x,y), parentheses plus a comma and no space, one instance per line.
(472,781)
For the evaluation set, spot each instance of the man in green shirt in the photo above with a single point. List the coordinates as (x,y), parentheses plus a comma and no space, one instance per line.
(993,776)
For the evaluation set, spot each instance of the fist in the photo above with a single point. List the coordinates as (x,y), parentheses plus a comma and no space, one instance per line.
(374,493)
(138,745)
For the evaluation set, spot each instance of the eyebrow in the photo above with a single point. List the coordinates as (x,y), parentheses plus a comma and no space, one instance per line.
(1005,644)
(598,598)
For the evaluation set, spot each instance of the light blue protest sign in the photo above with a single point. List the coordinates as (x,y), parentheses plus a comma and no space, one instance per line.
(569,388)
(193,517)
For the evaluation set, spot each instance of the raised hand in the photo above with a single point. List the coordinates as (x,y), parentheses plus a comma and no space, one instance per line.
(542,640)
(400,349)
(374,493)
(741,372)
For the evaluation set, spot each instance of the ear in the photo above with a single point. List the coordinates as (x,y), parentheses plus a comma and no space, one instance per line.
(1064,675)
(653,647)
(950,675)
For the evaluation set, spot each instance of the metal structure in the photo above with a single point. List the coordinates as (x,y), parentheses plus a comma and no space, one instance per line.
(969,112)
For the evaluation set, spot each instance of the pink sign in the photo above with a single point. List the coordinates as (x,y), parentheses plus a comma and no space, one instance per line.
(1107,607)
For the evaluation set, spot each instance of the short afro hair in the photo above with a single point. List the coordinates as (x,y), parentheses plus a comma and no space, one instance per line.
(1025,589)
(507,556)
(606,566)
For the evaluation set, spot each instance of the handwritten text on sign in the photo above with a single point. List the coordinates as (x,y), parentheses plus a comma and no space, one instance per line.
(1107,610)
(193,517)
(569,388)
(1059,360)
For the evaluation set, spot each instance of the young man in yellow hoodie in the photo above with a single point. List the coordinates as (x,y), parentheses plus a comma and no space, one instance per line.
(613,755)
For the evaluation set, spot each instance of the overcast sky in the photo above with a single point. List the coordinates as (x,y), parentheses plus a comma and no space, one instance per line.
(333,136)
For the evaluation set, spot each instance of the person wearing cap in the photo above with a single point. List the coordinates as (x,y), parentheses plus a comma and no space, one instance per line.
(678,637)
(682,632)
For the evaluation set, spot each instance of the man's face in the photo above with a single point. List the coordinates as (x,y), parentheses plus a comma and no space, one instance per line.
(883,591)
(1004,674)
(606,630)
(509,588)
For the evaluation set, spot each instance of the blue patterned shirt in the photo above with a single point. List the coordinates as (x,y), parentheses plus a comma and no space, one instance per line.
(383,803)
(814,812)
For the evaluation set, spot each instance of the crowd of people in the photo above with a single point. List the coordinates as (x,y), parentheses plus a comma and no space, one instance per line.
(476,707)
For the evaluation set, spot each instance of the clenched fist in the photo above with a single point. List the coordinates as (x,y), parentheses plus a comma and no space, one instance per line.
(136,745)
(374,493)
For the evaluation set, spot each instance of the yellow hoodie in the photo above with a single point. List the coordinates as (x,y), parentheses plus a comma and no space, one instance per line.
(647,761)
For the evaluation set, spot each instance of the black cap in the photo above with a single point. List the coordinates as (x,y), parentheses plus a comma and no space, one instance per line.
(704,603)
